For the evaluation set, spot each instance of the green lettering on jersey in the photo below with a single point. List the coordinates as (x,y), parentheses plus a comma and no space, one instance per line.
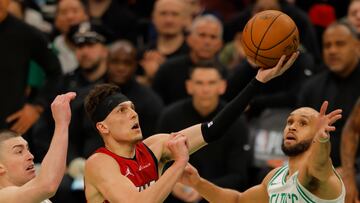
(283,198)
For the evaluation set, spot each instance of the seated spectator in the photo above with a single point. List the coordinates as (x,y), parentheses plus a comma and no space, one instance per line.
(169,18)
(205,85)
(205,41)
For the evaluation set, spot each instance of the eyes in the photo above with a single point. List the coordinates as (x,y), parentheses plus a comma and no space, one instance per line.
(300,122)
(124,109)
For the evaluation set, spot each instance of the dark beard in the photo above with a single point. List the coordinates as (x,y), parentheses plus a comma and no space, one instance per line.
(296,149)
(91,69)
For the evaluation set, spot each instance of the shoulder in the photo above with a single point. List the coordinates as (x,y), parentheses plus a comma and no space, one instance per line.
(272,174)
(98,161)
(175,62)
(176,107)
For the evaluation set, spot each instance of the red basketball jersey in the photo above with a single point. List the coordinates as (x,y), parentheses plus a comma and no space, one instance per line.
(142,170)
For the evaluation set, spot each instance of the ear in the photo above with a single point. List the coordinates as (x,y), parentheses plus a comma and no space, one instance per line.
(102,128)
(2,169)
(189,87)
(222,87)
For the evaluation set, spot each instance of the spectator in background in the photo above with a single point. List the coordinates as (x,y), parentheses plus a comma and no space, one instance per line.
(307,33)
(114,15)
(350,158)
(205,85)
(353,14)
(339,82)
(121,71)
(21,43)
(169,18)
(69,13)
(205,41)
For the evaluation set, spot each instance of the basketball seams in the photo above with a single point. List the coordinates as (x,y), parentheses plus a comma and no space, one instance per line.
(281,41)
(271,36)
(262,38)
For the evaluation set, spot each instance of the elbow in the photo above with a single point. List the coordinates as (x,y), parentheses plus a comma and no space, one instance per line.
(50,185)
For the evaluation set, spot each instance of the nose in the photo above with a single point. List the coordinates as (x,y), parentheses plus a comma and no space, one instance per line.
(133,114)
(29,156)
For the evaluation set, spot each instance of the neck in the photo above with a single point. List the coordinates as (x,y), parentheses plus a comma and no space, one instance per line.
(4,182)
(205,110)
(125,150)
(296,162)
(168,44)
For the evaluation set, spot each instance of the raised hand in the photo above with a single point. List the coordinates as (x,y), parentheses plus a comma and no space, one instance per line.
(266,74)
(60,108)
(325,121)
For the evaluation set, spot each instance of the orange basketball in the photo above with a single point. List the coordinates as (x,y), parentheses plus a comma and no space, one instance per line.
(267,36)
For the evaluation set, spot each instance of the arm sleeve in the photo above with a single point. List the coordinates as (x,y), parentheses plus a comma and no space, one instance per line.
(214,129)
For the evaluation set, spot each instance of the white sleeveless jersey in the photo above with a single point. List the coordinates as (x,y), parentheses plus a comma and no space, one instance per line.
(281,190)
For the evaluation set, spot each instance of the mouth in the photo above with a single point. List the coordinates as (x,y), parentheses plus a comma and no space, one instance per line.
(136,126)
(30,167)
(290,137)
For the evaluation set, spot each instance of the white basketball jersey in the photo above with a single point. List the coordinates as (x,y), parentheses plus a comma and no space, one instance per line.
(281,190)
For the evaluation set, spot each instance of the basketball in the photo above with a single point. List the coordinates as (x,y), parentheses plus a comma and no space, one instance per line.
(267,36)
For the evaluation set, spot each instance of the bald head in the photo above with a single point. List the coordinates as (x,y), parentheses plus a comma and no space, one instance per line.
(160,4)
(121,62)
(305,111)
(169,17)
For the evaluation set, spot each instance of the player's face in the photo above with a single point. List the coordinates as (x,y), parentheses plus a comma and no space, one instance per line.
(205,86)
(123,123)
(91,55)
(17,161)
(353,15)
(340,50)
(121,66)
(205,40)
(169,17)
(4,4)
(70,12)
(298,132)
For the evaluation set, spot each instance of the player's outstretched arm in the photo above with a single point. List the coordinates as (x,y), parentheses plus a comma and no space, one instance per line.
(214,193)
(102,172)
(200,134)
(318,167)
(45,184)
(349,144)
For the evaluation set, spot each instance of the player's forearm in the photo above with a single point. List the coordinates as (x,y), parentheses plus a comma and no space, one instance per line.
(163,187)
(214,193)
(54,164)
(319,161)
(215,129)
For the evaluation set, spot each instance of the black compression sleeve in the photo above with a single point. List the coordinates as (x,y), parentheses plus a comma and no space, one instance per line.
(214,129)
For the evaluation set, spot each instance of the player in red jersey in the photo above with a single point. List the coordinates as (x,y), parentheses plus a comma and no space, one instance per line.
(139,162)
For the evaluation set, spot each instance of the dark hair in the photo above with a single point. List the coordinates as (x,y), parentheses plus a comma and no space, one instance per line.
(98,94)
(209,64)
